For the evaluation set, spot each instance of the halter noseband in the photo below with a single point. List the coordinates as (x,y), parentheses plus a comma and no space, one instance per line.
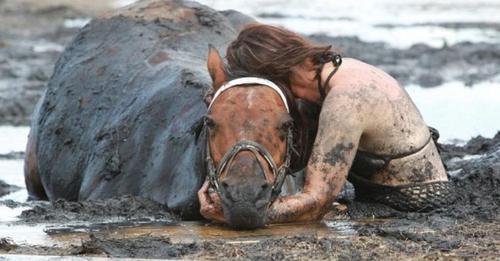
(279,173)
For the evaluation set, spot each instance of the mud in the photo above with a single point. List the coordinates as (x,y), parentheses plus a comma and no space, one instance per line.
(6,188)
(474,170)
(33,34)
(421,64)
(468,229)
(127,207)
(133,227)
(12,155)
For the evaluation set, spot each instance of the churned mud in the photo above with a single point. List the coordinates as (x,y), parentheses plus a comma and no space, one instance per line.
(421,64)
(6,188)
(32,36)
(132,227)
(129,208)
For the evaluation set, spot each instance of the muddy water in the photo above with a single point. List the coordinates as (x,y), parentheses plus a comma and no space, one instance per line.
(460,112)
(66,234)
(182,232)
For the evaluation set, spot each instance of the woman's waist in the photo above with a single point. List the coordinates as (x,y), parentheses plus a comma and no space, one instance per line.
(421,166)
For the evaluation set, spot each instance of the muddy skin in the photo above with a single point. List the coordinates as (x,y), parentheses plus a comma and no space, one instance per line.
(109,145)
(419,64)
(466,230)
(337,155)
(475,183)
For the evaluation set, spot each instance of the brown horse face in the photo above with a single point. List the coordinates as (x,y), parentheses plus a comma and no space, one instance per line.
(251,113)
(246,113)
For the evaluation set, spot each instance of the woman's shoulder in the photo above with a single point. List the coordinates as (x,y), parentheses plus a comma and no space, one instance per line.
(355,65)
(357,76)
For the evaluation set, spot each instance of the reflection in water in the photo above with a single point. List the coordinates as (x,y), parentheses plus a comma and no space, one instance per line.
(11,172)
(399,23)
(460,112)
(181,232)
(194,231)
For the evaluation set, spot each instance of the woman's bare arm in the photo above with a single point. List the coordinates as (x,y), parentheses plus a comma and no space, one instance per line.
(339,132)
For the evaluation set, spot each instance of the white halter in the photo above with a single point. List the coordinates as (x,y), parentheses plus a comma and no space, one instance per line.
(250,80)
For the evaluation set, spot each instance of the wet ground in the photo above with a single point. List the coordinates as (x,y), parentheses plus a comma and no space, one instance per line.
(33,34)
(132,227)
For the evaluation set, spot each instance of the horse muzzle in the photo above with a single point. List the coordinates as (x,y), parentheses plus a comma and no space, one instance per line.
(244,216)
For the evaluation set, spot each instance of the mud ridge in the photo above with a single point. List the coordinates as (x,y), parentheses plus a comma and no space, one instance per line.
(6,188)
(26,62)
(475,181)
(128,207)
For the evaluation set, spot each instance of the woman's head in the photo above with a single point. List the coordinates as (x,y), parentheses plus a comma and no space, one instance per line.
(276,54)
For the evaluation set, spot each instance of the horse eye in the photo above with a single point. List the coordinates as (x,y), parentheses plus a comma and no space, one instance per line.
(209,122)
(286,125)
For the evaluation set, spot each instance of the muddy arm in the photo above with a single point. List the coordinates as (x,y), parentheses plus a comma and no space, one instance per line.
(334,150)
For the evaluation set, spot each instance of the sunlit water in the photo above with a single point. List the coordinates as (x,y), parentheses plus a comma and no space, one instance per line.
(13,139)
(460,112)
(398,23)
(45,234)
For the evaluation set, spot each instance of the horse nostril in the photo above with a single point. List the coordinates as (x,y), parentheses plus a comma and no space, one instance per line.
(265,186)
(224,184)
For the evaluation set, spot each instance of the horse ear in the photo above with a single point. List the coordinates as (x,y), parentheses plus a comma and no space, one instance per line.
(215,66)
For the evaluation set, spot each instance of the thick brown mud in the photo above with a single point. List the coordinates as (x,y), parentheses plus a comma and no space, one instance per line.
(139,228)
(129,208)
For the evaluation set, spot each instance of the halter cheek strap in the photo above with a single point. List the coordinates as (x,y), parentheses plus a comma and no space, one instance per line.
(280,172)
(336,60)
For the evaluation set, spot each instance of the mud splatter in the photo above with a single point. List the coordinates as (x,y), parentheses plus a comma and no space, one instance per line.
(338,154)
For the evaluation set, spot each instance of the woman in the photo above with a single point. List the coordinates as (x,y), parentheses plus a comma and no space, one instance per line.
(370,132)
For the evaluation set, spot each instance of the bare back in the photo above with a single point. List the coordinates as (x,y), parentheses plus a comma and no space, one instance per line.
(391,123)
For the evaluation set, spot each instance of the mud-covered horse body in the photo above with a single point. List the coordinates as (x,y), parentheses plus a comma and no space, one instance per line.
(121,110)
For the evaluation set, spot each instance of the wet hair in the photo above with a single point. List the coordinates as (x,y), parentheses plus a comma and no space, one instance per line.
(270,52)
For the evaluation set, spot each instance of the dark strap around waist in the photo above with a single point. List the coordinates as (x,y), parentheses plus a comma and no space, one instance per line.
(416,197)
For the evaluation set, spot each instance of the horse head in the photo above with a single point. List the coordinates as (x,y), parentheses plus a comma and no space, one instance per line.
(249,140)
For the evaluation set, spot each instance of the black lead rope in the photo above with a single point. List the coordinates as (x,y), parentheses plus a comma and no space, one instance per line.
(336,60)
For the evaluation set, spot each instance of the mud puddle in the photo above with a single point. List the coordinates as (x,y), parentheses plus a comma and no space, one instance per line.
(59,235)
(131,227)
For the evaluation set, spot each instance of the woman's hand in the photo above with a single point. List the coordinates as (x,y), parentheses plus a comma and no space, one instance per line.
(301,207)
(210,206)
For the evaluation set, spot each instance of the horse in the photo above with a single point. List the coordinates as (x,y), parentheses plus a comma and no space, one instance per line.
(125,113)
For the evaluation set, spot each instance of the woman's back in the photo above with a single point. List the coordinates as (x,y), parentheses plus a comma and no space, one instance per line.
(394,129)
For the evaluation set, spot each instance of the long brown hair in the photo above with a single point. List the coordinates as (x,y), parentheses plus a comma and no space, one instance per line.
(270,52)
